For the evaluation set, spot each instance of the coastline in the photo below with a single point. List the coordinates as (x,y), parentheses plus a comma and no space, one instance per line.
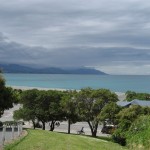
(39,88)
(121,95)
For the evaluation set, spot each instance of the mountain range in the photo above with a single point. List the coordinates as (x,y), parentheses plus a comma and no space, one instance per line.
(15,68)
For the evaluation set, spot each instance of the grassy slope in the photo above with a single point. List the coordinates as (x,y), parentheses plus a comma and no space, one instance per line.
(45,140)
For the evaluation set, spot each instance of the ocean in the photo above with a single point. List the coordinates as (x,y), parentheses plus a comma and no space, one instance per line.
(116,83)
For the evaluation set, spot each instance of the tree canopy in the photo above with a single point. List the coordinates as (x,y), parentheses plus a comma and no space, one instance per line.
(51,106)
(6,96)
(131,95)
(27,112)
(90,104)
(109,112)
(41,106)
(69,105)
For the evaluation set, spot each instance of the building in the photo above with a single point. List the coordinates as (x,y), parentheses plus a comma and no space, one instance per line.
(143,103)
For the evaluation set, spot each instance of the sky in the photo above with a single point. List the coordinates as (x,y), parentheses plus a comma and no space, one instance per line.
(110,35)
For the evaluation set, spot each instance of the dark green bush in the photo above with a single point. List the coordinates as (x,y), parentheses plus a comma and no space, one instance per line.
(119,137)
(1,124)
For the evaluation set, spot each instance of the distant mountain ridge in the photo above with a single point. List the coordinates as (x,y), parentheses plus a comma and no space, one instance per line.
(15,68)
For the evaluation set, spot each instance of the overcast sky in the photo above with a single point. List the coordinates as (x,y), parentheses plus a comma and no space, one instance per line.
(110,35)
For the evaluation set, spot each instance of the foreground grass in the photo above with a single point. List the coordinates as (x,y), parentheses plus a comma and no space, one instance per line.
(45,140)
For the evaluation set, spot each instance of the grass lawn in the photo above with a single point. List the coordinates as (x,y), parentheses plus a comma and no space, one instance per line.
(46,140)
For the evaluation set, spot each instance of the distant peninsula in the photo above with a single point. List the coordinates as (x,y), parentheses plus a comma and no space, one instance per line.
(15,68)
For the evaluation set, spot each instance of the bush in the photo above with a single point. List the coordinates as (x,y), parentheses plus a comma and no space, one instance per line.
(138,134)
(119,137)
(126,117)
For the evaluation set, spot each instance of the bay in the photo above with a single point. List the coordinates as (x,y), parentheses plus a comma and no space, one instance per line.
(119,83)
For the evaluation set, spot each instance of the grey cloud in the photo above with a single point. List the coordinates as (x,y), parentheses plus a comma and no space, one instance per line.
(12,52)
(75,32)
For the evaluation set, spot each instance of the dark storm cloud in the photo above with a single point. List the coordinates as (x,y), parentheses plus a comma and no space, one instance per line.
(12,52)
(100,33)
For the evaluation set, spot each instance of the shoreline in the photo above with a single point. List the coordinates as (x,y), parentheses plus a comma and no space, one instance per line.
(121,95)
(38,88)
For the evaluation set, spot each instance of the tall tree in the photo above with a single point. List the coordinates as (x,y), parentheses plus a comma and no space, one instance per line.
(109,112)
(69,105)
(55,110)
(27,112)
(91,103)
(43,106)
(48,107)
(6,96)
(127,115)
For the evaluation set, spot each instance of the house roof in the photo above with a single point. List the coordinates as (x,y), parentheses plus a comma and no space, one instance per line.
(123,103)
(134,102)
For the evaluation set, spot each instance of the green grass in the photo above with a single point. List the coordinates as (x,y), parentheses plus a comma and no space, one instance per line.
(46,140)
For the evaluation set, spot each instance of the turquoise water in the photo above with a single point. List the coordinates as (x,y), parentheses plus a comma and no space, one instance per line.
(119,83)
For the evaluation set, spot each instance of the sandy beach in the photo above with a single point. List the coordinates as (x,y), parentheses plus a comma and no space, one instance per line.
(29,88)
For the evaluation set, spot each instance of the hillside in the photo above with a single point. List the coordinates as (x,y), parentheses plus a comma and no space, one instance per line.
(46,140)
(14,68)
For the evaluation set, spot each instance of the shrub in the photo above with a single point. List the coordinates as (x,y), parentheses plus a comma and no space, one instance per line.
(138,135)
(119,137)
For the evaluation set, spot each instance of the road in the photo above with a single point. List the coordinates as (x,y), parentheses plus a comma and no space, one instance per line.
(76,127)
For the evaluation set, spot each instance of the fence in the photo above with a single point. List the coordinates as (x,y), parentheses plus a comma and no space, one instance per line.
(10,132)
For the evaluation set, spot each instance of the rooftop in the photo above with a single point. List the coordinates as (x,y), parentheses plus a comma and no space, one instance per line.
(134,102)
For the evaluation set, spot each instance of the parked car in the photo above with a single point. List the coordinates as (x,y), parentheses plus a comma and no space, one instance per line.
(108,129)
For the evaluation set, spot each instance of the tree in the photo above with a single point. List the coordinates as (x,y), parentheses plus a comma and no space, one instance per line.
(16,95)
(55,110)
(6,96)
(68,105)
(27,112)
(127,115)
(130,95)
(109,112)
(90,104)
(43,106)
(47,107)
